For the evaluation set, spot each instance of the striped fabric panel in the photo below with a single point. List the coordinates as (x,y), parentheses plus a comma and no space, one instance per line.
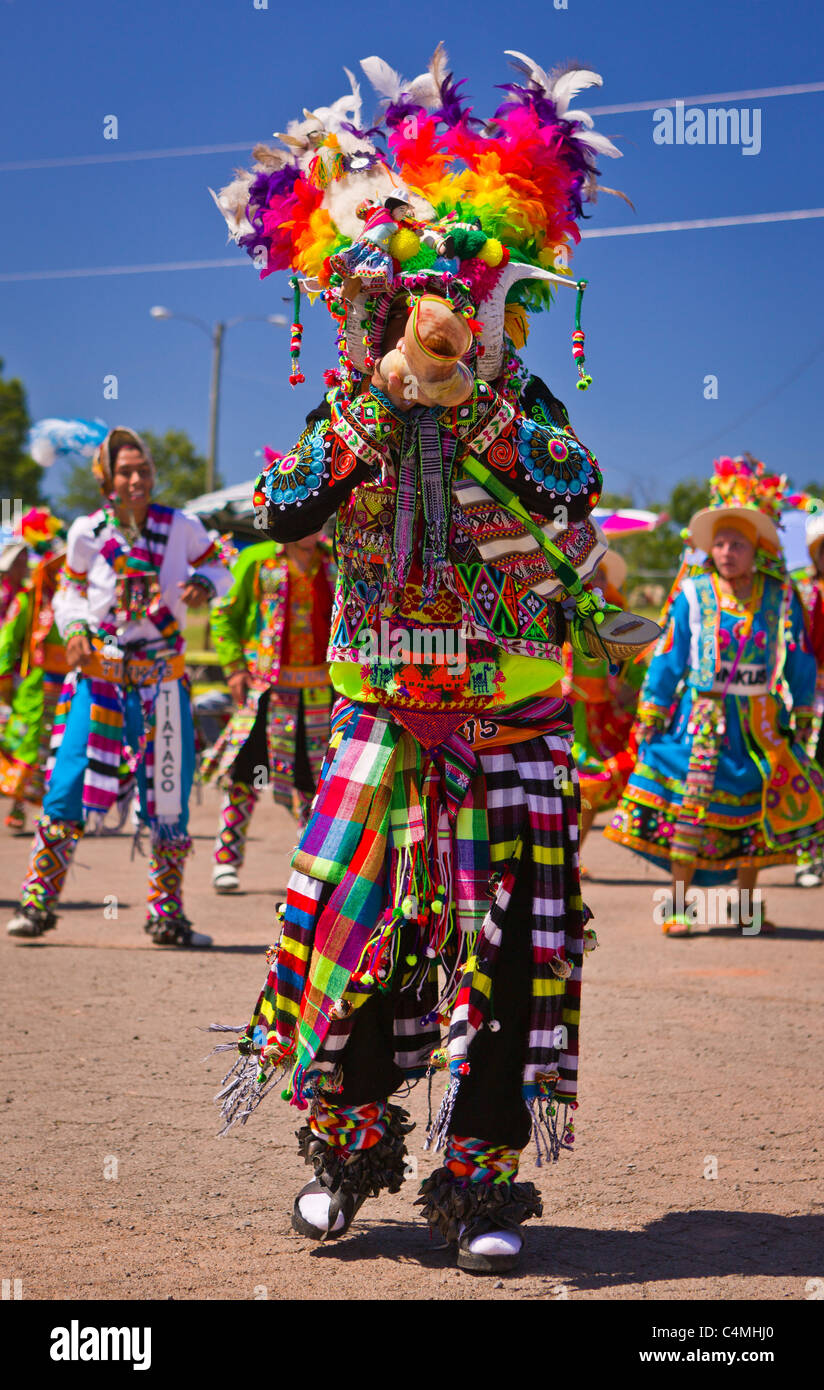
(532,794)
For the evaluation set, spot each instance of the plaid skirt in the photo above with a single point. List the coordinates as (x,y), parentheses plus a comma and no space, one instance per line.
(405,839)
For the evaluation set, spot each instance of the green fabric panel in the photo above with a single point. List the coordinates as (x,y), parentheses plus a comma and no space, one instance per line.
(13,633)
(232,621)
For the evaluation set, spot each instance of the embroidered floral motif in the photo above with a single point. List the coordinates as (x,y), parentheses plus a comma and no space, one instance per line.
(554,464)
(298,475)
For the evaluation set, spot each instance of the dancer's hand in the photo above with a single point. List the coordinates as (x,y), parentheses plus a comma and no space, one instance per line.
(193,595)
(238,684)
(395,388)
(78,650)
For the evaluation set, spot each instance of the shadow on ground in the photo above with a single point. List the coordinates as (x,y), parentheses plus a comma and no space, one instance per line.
(681,1245)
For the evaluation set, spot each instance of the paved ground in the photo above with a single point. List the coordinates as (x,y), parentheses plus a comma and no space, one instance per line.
(699,1056)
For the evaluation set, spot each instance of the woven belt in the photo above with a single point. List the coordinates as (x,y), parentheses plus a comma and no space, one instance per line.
(52,659)
(301,677)
(133,670)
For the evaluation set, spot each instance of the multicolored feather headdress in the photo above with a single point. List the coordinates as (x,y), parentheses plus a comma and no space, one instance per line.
(741,488)
(429,199)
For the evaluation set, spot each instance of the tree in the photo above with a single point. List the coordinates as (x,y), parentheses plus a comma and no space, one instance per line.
(20,476)
(181,470)
(181,474)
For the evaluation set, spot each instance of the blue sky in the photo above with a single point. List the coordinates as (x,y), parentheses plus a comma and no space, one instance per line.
(663,310)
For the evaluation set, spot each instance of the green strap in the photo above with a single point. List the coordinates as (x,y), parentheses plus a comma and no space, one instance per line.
(508,499)
(586,603)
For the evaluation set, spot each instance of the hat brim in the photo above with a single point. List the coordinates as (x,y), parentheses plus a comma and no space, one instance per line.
(705,522)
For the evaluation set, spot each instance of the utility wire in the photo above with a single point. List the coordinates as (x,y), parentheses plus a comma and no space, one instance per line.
(699,223)
(753,410)
(747,219)
(88,272)
(759,94)
(73,161)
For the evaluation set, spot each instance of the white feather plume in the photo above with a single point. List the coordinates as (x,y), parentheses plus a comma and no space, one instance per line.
(529,68)
(424,90)
(357,100)
(582,117)
(569,84)
(439,65)
(232,202)
(599,143)
(384,79)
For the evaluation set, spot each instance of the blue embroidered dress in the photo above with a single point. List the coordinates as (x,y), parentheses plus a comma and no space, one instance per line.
(722,782)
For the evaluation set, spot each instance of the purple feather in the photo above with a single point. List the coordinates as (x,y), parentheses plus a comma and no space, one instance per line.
(451,110)
(399,111)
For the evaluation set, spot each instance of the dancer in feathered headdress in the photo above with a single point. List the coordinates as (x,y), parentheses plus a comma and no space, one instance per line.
(463,500)
(723,785)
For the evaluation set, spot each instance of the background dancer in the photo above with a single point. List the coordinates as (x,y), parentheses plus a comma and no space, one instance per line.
(810,584)
(270,634)
(132,570)
(723,785)
(32,653)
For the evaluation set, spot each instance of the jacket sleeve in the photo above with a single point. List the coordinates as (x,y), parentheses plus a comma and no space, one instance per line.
(670,661)
(204,558)
(540,459)
(800,665)
(227,616)
(71,605)
(297,493)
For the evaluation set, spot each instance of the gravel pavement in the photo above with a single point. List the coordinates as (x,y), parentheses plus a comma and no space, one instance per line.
(698,1163)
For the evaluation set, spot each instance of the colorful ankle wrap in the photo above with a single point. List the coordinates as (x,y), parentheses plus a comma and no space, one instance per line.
(165,878)
(352,1127)
(472,1160)
(51,855)
(235,813)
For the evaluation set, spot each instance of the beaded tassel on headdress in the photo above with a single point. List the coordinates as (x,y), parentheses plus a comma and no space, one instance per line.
(296,376)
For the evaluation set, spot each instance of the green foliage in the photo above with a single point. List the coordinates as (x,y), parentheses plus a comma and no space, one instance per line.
(181,470)
(181,475)
(20,476)
(81,493)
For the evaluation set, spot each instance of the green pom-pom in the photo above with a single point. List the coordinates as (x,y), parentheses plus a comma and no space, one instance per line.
(287,1094)
(467,241)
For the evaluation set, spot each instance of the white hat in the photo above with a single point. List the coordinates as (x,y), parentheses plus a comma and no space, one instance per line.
(815,533)
(10,553)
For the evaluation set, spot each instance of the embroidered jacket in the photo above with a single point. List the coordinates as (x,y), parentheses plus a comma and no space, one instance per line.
(439,598)
(89,589)
(700,645)
(249,624)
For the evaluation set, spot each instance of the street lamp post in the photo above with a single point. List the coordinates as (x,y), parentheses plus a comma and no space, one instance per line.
(215,334)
